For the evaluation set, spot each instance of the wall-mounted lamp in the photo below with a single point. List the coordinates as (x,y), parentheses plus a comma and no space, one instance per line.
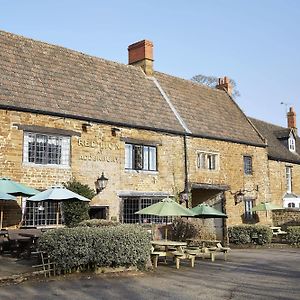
(239,195)
(41,207)
(85,126)
(101,183)
(114,131)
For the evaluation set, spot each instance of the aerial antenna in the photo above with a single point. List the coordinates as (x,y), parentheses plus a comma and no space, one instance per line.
(286,106)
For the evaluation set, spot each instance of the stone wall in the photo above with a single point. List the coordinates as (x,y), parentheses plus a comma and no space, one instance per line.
(231,173)
(98,149)
(278,180)
(286,217)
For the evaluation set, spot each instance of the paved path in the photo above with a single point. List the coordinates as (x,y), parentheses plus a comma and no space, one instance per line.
(249,274)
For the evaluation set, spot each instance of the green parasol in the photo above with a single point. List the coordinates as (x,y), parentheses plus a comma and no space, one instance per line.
(9,186)
(205,211)
(166,208)
(265,206)
(4,197)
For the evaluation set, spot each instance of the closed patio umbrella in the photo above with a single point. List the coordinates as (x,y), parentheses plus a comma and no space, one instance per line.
(4,197)
(166,208)
(11,187)
(205,211)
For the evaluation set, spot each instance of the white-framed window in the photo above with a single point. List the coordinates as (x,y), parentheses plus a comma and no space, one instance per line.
(249,203)
(44,149)
(140,157)
(291,205)
(288,175)
(207,160)
(248,170)
(292,143)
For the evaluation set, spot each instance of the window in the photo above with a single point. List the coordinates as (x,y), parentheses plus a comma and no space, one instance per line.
(249,203)
(134,204)
(207,161)
(288,174)
(292,144)
(45,149)
(291,205)
(140,157)
(42,213)
(247,165)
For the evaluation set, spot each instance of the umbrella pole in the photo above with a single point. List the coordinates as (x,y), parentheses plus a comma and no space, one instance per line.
(166,229)
(57,214)
(1,218)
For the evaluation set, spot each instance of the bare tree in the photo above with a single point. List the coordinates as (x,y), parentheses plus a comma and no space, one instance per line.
(212,81)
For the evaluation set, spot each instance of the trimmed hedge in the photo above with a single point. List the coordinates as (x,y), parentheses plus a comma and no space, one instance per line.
(247,234)
(83,248)
(98,223)
(293,235)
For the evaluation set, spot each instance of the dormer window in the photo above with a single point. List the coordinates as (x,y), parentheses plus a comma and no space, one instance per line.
(292,143)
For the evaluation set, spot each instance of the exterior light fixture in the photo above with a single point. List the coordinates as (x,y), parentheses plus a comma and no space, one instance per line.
(114,131)
(85,126)
(101,183)
(239,195)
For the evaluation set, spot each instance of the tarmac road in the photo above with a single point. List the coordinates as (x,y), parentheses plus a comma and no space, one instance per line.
(248,274)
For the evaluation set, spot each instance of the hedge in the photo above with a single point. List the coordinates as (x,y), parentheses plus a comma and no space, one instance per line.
(293,235)
(247,234)
(82,248)
(98,223)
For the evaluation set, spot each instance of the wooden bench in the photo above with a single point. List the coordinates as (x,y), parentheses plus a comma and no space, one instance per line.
(186,254)
(222,249)
(155,254)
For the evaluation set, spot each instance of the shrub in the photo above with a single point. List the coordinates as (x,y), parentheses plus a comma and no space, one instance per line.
(183,229)
(293,235)
(246,234)
(76,211)
(98,223)
(82,248)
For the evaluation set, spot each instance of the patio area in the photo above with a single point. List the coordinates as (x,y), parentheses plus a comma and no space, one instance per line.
(248,274)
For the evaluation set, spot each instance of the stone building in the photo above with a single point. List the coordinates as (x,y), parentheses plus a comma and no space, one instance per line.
(65,114)
(283,160)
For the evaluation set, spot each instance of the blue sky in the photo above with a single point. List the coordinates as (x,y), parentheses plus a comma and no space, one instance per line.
(257,43)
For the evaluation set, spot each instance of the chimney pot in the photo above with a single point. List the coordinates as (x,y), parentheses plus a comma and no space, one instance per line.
(291,118)
(141,54)
(224,84)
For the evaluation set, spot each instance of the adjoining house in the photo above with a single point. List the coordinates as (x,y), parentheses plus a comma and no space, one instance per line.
(66,114)
(283,159)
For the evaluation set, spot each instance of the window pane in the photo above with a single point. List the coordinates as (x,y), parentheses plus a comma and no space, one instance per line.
(248,165)
(128,156)
(152,159)
(41,149)
(288,171)
(146,158)
(138,157)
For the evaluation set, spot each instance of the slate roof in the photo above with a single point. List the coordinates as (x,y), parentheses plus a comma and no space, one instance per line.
(208,112)
(45,78)
(276,148)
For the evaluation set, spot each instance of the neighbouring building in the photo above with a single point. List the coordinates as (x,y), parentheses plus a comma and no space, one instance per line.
(284,160)
(66,114)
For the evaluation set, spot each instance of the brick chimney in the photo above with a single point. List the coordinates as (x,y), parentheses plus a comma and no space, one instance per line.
(224,84)
(141,54)
(291,118)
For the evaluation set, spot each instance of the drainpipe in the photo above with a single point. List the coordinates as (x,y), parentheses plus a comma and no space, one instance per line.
(186,179)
